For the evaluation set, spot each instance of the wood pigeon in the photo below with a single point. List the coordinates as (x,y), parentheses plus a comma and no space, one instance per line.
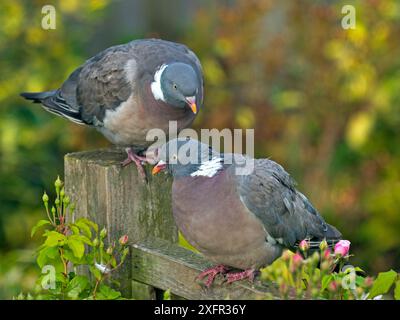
(238,218)
(126,90)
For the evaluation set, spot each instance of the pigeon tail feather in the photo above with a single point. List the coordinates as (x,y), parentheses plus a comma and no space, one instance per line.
(38,97)
(53,102)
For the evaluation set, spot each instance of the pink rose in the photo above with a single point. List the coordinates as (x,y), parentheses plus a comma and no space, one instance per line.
(342,248)
(123,240)
(304,245)
(333,286)
(297,259)
(326,254)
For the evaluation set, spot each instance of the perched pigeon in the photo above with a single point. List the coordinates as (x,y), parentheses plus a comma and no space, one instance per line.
(126,90)
(241,221)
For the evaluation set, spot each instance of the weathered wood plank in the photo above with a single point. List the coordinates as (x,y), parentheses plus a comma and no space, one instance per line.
(117,198)
(168,266)
(141,291)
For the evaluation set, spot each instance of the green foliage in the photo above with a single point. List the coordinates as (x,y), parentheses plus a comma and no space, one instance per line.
(70,244)
(32,142)
(167,295)
(324,275)
(383,283)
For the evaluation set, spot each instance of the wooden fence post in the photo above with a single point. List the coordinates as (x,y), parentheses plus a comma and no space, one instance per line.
(118,199)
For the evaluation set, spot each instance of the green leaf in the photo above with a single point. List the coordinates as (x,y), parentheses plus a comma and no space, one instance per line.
(70,256)
(383,283)
(358,269)
(38,225)
(113,262)
(326,280)
(76,286)
(84,228)
(96,272)
(52,252)
(81,238)
(107,293)
(60,278)
(77,247)
(75,229)
(397,290)
(42,258)
(353,269)
(167,295)
(46,254)
(360,281)
(54,239)
(88,223)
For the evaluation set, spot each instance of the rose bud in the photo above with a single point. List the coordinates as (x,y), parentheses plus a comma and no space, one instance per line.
(103,233)
(326,254)
(342,248)
(304,245)
(368,282)
(45,197)
(123,240)
(297,259)
(323,245)
(58,183)
(283,287)
(333,286)
(325,266)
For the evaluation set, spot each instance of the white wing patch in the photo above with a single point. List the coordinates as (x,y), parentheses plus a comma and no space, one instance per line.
(156,84)
(209,168)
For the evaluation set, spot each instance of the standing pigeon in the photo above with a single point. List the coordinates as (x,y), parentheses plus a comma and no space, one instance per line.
(239,221)
(126,90)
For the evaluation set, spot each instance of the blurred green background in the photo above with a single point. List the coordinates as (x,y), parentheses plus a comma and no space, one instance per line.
(324,102)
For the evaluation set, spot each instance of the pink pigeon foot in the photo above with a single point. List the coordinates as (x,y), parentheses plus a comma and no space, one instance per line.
(236,276)
(138,160)
(211,273)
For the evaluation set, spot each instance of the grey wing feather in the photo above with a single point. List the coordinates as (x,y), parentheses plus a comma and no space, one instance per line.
(270,194)
(103,83)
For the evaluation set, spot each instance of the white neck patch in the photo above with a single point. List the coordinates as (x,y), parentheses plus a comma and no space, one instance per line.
(156,84)
(209,168)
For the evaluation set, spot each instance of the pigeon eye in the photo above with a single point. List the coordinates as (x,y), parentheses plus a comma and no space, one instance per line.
(175,86)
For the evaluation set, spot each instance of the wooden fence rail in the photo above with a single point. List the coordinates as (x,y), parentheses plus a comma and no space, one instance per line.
(118,199)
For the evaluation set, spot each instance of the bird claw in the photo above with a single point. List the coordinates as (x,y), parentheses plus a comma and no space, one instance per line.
(236,276)
(211,274)
(138,160)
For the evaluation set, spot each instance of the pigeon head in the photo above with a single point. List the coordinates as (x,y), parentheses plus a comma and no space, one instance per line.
(187,157)
(178,85)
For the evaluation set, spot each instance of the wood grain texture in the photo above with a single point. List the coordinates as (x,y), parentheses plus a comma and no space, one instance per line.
(166,265)
(118,199)
(141,291)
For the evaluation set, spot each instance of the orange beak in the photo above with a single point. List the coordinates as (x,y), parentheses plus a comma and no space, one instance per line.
(191,101)
(160,166)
